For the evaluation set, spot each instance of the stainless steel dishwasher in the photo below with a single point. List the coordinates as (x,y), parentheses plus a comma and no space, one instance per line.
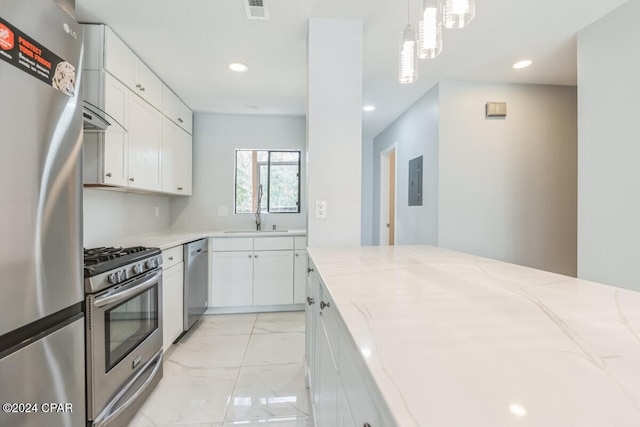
(196,281)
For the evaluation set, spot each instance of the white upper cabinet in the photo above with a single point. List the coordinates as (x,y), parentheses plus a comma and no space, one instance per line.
(145,132)
(123,64)
(176,110)
(151,149)
(177,156)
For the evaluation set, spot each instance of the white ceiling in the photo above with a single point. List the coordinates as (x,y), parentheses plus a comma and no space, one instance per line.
(188,43)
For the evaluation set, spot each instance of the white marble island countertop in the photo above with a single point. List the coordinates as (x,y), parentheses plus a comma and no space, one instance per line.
(456,340)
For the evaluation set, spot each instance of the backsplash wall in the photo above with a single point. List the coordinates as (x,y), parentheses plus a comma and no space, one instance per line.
(110,215)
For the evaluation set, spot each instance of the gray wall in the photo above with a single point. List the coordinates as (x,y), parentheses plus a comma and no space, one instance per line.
(501,188)
(216,136)
(334,131)
(367,192)
(416,134)
(109,215)
(508,186)
(609,150)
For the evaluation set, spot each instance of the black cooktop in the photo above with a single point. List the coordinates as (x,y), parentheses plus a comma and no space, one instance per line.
(103,259)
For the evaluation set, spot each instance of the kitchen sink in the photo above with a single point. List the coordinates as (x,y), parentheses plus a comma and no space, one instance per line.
(257,231)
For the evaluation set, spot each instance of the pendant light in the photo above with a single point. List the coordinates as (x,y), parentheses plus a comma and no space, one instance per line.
(430,29)
(459,13)
(408,70)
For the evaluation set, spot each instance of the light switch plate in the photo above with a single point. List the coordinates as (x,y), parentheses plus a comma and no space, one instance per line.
(321,209)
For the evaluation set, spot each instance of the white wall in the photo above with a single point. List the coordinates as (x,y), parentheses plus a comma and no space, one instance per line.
(416,133)
(367,192)
(216,136)
(109,215)
(609,150)
(334,130)
(508,186)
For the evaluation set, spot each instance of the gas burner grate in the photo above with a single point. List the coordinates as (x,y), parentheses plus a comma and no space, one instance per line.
(97,260)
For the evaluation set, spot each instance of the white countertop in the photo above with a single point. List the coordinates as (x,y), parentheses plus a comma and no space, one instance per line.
(169,239)
(457,340)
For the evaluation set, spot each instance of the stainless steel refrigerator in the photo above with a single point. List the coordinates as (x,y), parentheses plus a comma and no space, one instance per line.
(42,363)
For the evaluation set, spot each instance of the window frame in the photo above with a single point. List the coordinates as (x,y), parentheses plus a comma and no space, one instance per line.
(267,208)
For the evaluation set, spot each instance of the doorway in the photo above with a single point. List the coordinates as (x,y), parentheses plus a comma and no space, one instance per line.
(388,196)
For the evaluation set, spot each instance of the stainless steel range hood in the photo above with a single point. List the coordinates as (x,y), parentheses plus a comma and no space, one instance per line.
(95,119)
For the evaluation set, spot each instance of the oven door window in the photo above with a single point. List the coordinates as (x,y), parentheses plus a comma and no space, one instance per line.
(128,324)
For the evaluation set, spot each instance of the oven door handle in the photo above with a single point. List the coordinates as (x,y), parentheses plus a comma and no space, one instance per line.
(123,295)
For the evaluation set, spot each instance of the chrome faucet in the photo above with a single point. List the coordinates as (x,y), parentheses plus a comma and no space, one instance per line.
(258,225)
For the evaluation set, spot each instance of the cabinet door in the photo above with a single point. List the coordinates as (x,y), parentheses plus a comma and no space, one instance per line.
(145,128)
(176,159)
(119,60)
(176,110)
(273,277)
(310,328)
(326,380)
(300,277)
(115,139)
(172,304)
(232,279)
(148,86)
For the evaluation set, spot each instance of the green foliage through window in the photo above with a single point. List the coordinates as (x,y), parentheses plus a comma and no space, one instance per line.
(278,172)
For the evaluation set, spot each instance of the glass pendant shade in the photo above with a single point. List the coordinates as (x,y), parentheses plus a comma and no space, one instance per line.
(408,56)
(459,13)
(430,30)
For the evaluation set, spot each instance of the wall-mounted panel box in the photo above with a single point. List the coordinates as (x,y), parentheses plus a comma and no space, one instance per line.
(415,182)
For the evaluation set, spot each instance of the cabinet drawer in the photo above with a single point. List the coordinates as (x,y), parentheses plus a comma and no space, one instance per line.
(225,244)
(300,242)
(273,243)
(171,257)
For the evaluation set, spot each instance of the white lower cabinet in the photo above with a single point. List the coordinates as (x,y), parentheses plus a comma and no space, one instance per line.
(232,279)
(172,295)
(299,276)
(248,271)
(273,277)
(340,387)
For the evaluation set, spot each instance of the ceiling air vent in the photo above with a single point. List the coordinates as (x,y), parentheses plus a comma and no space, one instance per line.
(256,9)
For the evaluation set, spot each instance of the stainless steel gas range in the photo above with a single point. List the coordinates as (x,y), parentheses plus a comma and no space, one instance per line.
(124,331)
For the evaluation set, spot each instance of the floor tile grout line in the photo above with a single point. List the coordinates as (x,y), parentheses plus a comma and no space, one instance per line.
(235,383)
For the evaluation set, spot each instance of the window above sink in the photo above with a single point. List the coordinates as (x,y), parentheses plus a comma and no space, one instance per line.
(277,171)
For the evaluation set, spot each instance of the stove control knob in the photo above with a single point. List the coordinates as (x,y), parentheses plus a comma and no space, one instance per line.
(113,278)
(137,269)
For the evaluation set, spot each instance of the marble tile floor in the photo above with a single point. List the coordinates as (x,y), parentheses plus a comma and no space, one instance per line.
(233,370)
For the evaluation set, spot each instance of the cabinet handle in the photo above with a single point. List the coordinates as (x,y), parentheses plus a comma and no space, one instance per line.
(250,256)
(366,425)
(170,258)
(179,188)
(297,254)
(310,301)
(256,256)
(142,89)
(108,174)
(309,270)
(139,86)
(324,305)
(132,179)
(180,120)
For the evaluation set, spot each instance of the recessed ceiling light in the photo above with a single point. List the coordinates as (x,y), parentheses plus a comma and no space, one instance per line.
(522,64)
(517,409)
(368,108)
(239,67)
